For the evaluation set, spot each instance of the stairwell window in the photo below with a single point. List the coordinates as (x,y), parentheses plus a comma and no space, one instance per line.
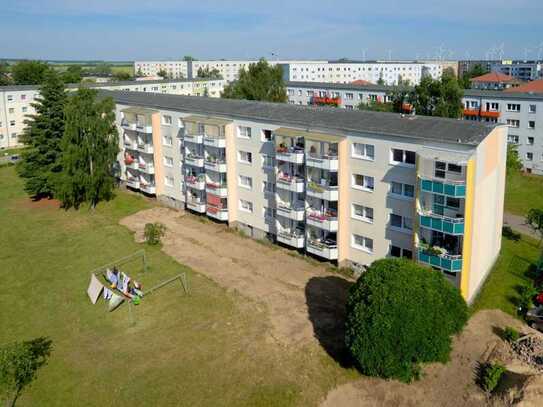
(401,223)
(363,151)
(362,243)
(363,182)
(167,120)
(362,213)
(168,181)
(245,182)
(402,157)
(401,190)
(245,157)
(168,161)
(244,132)
(167,141)
(245,206)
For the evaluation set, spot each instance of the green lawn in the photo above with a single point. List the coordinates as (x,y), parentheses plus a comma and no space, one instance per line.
(210,348)
(523,192)
(509,273)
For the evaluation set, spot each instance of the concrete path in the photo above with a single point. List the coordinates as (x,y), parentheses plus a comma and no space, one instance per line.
(518,224)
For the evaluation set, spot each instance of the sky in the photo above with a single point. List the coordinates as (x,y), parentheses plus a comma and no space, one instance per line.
(313,29)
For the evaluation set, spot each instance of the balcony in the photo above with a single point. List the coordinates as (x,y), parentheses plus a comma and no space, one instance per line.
(326,192)
(447,262)
(194,138)
(214,164)
(290,183)
(490,114)
(133,183)
(147,168)
(322,220)
(326,249)
(194,160)
(471,112)
(145,148)
(290,211)
(148,188)
(440,223)
(456,189)
(324,162)
(218,142)
(130,144)
(125,124)
(217,188)
(217,213)
(290,154)
(144,128)
(196,205)
(197,182)
(293,239)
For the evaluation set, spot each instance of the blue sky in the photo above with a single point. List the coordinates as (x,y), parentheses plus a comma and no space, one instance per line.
(145,29)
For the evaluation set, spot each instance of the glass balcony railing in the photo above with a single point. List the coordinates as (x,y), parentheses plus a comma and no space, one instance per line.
(440,223)
(444,261)
(456,189)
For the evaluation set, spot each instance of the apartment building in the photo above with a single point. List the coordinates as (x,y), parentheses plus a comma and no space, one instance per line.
(344,186)
(174,69)
(349,71)
(522,112)
(16,101)
(494,81)
(521,70)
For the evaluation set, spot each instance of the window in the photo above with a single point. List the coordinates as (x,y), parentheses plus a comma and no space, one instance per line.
(363,213)
(532,109)
(244,132)
(167,120)
(24,109)
(168,161)
(245,157)
(245,182)
(364,151)
(401,222)
(246,206)
(402,157)
(13,135)
(513,123)
(362,243)
(167,140)
(531,124)
(10,98)
(268,161)
(363,182)
(269,213)
(513,107)
(168,181)
(349,96)
(268,187)
(11,110)
(402,190)
(529,156)
(396,251)
(23,97)
(12,122)
(513,139)
(267,135)
(530,141)
(454,168)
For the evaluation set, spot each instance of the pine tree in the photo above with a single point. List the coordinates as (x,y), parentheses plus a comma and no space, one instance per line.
(89,150)
(40,163)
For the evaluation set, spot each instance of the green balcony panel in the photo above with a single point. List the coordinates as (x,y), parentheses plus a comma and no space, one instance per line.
(457,191)
(452,265)
(441,225)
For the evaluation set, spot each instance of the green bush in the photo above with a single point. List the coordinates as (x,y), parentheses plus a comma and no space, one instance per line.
(526,300)
(399,315)
(510,334)
(153,232)
(510,234)
(490,376)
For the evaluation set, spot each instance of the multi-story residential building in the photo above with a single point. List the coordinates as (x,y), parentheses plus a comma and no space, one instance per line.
(522,70)
(174,69)
(466,66)
(349,71)
(521,111)
(494,81)
(345,186)
(16,101)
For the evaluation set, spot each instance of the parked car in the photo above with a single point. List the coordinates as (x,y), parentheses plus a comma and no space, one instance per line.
(534,318)
(14,158)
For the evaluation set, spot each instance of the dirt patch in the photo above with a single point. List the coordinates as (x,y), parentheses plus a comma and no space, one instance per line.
(43,203)
(305,301)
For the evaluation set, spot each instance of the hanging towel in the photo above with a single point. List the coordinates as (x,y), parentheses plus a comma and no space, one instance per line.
(126,282)
(95,288)
(107,293)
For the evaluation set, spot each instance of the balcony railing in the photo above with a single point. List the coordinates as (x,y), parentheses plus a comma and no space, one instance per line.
(216,212)
(196,181)
(290,154)
(441,223)
(294,239)
(326,162)
(215,164)
(194,159)
(148,188)
(148,168)
(290,182)
(289,210)
(323,248)
(194,138)
(451,188)
(322,191)
(445,261)
(219,142)
(145,148)
(125,124)
(322,220)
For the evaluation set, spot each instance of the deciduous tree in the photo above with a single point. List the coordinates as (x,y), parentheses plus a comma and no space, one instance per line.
(29,72)
(441,97)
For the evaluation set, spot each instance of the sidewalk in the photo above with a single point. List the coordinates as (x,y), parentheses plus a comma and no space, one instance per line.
(518,224)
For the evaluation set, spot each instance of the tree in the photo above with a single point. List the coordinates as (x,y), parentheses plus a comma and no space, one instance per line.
(380,81)
(89,149)
(399,315)
(40,162)
(513,163)
(260,82)
(139,73)
(189,58)
(29,72)
(4,74)
(162,73)
(19,364)
(122,76)
(73,74)
(209,73)
(439,97)
(534,218)
(399,95)
(101,69)
(474,72)
(153,232)
(375,106)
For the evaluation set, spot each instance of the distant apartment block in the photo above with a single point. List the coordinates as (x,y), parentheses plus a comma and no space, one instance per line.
(173,69)
(494,81)
(522,70)
(16,101)
(344,186)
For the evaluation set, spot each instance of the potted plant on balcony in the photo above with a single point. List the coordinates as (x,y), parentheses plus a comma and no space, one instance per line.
(315,187)
(282,148)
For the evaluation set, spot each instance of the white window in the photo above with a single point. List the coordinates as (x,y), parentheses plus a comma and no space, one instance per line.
(531,124)
(362,243)
(512,139)
(364,151)
(167,120)
(396,251)
(245,182)
(24,109)
(167,140)
(244,132)
(13,135)
(532,109)
(168,181)
(513,123)
(11,110)
(12,122)
(530,141)
(406,157)
(363,213)
(401,222)
(245,157)
(363,182)
(246,206)
(513,107)
(402,190)
(529,156)
(268,187)
(10,98)
(23,97)
(168,161)
(349,96)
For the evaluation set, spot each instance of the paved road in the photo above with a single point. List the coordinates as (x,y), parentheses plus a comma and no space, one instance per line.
(518,224)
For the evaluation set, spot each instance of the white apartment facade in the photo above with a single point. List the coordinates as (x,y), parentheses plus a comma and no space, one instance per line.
(16,101)
(344,186)
(174,69)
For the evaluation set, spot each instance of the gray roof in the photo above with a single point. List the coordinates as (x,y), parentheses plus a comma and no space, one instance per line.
(339,121)
(498,94)
(103,84)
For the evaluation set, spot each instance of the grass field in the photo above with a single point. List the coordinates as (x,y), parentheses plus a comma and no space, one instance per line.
(522,193)
(209,348)
(509,273)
